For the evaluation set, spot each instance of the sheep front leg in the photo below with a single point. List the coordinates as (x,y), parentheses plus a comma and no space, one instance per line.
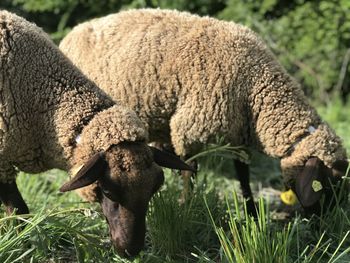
(186,175)
(242,171)
(187,182)
(12,199)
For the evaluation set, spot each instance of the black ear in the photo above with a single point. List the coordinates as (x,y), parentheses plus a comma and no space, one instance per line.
(339,168)
(309,183)
(169,160)
(87,174)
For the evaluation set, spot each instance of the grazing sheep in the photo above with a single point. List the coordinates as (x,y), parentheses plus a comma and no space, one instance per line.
(52,116)
(192,78)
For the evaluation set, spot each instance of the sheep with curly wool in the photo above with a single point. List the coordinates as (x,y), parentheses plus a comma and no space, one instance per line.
(52,116)
(192,78)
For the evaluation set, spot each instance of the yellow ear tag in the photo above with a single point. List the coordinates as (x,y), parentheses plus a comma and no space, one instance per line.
(316,185)
(75,170)
(288,197)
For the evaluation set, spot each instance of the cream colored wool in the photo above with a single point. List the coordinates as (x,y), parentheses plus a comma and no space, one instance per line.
(192,78)
(45,102)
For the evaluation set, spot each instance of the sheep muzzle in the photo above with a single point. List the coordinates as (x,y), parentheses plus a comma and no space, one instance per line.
(319,181)
(127,229)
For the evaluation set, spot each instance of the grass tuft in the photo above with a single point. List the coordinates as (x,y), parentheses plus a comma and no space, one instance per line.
(253,240)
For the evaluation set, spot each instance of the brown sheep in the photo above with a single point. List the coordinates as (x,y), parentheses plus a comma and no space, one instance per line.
(192,78)
(45,104)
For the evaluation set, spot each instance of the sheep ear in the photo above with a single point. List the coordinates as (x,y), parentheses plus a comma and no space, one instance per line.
(87,174)
(339,168)
(169,160)
(308,184)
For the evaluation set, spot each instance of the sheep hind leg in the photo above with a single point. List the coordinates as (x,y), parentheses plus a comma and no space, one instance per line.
(242,171)
(12,199)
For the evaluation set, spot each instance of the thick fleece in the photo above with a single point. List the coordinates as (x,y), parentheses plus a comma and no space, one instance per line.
(193,78)
(46,102)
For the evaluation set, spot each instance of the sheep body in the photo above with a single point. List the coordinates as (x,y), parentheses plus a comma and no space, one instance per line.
(191,79)
(45,103)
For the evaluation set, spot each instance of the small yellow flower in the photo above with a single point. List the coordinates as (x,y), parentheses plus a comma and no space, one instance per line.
(289,197)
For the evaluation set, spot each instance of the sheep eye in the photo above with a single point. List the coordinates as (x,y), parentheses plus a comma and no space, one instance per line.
(108,194)
(110,190)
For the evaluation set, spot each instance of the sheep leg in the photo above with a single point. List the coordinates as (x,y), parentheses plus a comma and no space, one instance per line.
(12,199)
(187,182)
(187,186)
(186,175)
(242,171)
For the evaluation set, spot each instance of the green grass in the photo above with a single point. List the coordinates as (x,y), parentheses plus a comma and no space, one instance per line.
(250,240)
(210,227)
(299,240)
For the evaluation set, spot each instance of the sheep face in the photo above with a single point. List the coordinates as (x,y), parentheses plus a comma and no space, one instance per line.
(127,187)
(318,182)
(126,176)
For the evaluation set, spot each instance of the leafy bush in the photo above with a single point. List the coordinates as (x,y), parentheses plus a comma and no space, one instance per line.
(310,38)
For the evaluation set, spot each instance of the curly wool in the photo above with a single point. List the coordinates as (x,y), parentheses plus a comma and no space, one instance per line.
(191,79)
(322,144)
(109,127)
(46,102)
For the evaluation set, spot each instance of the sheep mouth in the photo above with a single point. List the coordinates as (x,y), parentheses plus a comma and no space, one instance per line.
(127,235)
(129,253)
(127,231)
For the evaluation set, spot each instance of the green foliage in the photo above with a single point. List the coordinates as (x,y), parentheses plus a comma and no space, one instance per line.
(310,38)
(267,240)
(57,16)
(178,229)
(337,115)
(61,228)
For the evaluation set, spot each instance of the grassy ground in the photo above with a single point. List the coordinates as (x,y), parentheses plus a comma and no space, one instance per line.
(211,227)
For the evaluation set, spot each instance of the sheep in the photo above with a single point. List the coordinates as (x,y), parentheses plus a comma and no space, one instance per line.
(191,79)
(52,116)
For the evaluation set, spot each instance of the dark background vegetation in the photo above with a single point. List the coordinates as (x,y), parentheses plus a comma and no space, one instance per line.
(311,38)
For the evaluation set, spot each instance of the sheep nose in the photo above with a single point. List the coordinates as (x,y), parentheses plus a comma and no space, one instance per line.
(128,253)
(131,255)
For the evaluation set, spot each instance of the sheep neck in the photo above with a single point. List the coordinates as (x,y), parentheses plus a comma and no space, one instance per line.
(310,131)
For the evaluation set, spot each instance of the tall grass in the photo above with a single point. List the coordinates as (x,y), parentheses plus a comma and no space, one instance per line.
(210,227)
(253,240)
(325,239)
(178,229)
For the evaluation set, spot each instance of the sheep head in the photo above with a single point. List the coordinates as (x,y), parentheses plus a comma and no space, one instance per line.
(315,167)
(126,177)
(316,181)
